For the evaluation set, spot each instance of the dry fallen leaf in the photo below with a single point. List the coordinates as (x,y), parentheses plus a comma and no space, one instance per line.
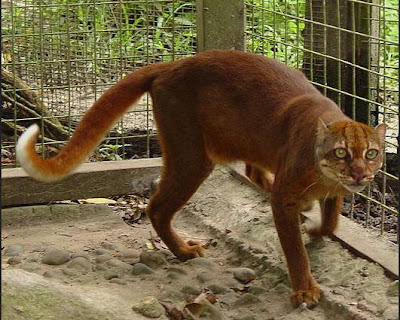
(98,200)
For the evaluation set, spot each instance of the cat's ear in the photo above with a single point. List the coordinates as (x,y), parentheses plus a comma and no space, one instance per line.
(381,129)
(322,127)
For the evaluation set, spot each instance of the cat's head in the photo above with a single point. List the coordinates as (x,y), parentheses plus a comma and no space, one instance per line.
(350,152)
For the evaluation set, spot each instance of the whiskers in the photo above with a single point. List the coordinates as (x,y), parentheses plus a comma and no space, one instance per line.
(338,184)
(311,185)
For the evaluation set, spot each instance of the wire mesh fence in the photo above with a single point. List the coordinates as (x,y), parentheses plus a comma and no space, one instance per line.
(59,56)
(349,49)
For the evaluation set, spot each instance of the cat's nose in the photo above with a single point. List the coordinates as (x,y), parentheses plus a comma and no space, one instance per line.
(358,176)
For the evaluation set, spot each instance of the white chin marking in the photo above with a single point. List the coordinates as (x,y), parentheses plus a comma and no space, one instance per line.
(354,188)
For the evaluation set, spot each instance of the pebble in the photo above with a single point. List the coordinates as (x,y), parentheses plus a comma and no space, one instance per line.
(228,298)
(177,270)
(118,264)
(193,290)
(14,250)
(80,265)
(114,272)
(150,308)
(140,269)
(100,267)
(80,254)
(217,289)
(101,251)
(14,260)
(244,315)
(205,276)
(246,299)
(130,253)
(33,259)
(56,257)
(70,272)
(256,290)
(201,262)
(102,258)
(243,275)
(153,259)
(169,294)
(30,266)
(108,246)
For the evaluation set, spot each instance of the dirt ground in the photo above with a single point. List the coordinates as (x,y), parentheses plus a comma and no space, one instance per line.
(84,262)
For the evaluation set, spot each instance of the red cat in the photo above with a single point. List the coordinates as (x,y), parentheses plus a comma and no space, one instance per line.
(221,106)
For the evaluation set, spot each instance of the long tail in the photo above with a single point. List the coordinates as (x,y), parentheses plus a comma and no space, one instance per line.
(98,120)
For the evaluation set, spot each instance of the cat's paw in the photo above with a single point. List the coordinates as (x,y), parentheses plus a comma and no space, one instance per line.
(310,297)
(193,249)
(318,232)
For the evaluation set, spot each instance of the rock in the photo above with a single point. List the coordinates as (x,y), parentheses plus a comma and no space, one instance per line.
(108,246)
(80,265)
(177,270)
(228,298)
(153,259)
(205,276)
(169,294)
(175,273)
(130,253)
(393,289)
(101,267)
(256,290)
(102,258)
(201,262)
(243,275)
(80,254)
(56,257)
(209,311)
(33,258)
(140,269)
(101,251)
(244,315)
(217,289)
(14,250)
(14,260)
(149,307)
(30,266)
(118,264)
(190,289)
(247,299)
(71,272)
(114,272)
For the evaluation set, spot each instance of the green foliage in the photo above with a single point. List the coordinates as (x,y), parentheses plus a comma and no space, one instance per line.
(275,27)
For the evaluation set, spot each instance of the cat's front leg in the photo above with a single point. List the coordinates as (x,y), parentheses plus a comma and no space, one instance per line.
(330,211)
(286,210)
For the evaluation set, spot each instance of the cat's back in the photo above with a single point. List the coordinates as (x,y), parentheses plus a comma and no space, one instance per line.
(240,72)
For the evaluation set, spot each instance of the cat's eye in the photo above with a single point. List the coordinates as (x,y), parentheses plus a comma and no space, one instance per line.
(340,153)
(371,154)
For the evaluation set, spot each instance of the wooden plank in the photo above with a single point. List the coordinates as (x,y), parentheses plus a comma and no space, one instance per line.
(350,235)
(220,25)
(100,179)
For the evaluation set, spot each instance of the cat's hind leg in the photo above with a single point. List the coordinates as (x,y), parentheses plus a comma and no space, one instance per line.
(262,178)
(185,166)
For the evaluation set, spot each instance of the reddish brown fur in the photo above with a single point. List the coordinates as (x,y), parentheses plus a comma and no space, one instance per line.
(221,106)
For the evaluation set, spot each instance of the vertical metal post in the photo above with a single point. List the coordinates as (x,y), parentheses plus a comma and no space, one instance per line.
(220,25)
